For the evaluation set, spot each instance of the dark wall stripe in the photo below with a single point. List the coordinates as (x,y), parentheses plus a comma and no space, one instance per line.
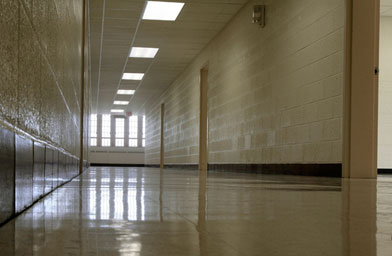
(118,165)
(384,171)
(7,176)
(321,170)
(29,170)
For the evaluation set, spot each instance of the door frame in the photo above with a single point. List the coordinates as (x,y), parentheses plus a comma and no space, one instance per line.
(203,129)
(361,89)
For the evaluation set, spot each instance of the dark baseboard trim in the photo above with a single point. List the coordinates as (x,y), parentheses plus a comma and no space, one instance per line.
(183,166)
(116,165)
(319,170)
(175,166)
(384,171)
(152,165)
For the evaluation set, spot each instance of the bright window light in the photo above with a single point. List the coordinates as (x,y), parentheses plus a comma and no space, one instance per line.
(133,76)
(106,125)
(119,142)
(93,126)
(105,142)
(133,143)
(106,133)
(157,10)
(126,92)
(93,130)
(119,102)
(119,126)
(133,131)
(143,52)
(117,111)
(93,142)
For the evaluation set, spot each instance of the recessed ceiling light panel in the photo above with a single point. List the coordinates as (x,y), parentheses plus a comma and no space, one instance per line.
(133,76)
(117,111)
(156,10)
(119,102)
(143,52)
(126,92)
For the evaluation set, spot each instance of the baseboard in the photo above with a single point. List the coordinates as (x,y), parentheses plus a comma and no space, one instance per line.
(320,170)
(175,166)
(384,171)
(116,165)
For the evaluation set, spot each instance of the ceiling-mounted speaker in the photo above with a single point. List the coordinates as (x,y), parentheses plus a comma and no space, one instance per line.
(259,15)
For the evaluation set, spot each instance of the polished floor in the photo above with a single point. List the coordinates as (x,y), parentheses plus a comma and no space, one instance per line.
(146,211)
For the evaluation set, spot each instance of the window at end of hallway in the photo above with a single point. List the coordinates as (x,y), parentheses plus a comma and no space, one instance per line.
(93,130)
(106,123)
(119,125)
(133,131)
(144,132)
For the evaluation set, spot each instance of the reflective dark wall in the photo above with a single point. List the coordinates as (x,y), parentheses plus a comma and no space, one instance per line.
(23,172)
(38,171)
(6,174)
(29,170)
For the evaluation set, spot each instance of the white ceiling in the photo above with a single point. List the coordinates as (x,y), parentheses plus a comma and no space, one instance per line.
(113,33)
(386,8)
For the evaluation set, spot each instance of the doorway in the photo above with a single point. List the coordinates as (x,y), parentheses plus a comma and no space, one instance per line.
(361,89)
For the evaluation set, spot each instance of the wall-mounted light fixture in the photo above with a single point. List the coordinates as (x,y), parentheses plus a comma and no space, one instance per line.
(259,15)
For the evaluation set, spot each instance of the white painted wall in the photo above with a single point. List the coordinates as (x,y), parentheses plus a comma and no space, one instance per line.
(385,95)
(116,156)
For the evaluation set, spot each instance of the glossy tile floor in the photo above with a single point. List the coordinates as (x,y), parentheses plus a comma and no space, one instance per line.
(145,211)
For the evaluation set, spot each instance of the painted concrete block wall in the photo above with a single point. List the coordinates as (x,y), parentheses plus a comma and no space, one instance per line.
(385,95)
(40,69)
(275,94)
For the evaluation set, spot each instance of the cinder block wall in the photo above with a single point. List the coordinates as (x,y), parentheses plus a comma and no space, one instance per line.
(40,102)
(385,95)
(275,93)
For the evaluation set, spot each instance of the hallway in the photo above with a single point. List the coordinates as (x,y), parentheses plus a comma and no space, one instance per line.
(145,211)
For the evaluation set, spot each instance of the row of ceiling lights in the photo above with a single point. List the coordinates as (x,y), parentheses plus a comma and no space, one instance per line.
(155,10)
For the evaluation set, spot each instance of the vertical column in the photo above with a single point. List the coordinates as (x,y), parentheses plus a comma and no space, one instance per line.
(203,161)
(361,89)
(99,130)
(126,132)
(162,155)
(82,83)
(140,131)
(112,130)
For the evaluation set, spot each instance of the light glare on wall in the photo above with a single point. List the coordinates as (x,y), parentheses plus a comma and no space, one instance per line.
(119,102)
(126,92)
(117,111)
(133,76)
(156,10)
(143,52)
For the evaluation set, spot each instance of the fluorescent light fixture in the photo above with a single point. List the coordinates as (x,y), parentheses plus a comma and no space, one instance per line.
(156,10)
(126,92)
(119,102)
(132,76)
(117,111)
(143,52)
